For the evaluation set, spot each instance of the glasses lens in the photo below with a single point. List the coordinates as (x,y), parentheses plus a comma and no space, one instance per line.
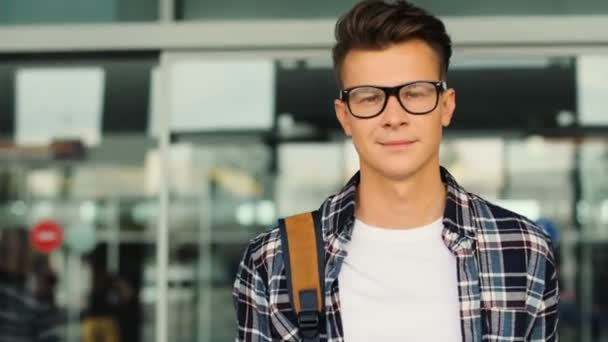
(366,101)
(419,97)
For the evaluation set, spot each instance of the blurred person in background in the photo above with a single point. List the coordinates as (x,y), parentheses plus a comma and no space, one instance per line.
(27,283)
(409,255)
(108,295)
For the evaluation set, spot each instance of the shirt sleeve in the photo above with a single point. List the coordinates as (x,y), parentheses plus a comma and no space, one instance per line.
(544,327)
(250,298)
(49,324)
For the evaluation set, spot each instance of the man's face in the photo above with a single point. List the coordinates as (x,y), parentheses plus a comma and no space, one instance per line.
(395,144)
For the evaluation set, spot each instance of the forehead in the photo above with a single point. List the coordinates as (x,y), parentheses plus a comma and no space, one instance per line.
(396,64)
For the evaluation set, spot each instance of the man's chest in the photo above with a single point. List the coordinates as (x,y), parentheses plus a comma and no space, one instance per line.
(477,315)
(400,293)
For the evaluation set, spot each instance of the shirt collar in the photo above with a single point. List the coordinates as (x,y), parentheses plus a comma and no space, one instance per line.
(338,212)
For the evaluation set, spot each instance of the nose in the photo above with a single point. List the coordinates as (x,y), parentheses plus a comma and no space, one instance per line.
(394,115)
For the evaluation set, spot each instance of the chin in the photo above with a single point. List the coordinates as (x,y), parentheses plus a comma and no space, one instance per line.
(398,175)
(397,172)
(395,167)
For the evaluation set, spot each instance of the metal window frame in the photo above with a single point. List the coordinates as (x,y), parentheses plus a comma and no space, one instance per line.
(555,35)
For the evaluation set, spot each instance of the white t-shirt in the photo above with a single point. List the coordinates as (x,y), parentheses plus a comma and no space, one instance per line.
(399,285)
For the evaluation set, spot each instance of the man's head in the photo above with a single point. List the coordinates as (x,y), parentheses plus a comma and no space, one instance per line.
(391,60)
(377,24)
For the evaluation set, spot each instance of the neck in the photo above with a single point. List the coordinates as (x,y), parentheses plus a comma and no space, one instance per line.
(414,201)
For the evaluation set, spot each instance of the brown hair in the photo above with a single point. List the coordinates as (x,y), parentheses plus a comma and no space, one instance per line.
(377,24)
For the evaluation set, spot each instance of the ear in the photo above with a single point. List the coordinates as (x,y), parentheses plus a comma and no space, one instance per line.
(343,116)
(448,106)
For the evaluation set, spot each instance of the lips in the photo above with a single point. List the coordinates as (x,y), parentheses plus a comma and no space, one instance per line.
(397,142)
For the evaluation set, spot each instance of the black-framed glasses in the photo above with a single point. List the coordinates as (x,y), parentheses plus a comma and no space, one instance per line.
(418,98)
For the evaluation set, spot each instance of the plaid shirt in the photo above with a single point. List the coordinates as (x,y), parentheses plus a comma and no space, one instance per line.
(507,282)
(23,318)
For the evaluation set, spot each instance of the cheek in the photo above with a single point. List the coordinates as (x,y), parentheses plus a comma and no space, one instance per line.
(358,138)
(362,134)
(428,129)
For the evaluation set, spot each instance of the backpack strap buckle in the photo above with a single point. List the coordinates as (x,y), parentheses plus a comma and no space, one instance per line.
(308,323)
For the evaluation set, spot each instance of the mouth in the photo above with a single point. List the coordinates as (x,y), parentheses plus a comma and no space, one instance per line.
(398,144)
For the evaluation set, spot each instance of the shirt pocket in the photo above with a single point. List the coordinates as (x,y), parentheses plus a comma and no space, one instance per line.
(505,324)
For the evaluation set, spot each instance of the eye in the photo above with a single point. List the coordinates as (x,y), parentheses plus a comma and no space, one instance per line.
(414,94)
(366,96)
(371,99)
(416,91)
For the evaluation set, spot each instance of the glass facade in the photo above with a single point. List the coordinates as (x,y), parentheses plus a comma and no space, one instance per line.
(253,139)
(28,12)
(18,12)
(281,9)
(75,242)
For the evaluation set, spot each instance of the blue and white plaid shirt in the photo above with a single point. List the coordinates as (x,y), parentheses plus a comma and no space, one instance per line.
(507,281)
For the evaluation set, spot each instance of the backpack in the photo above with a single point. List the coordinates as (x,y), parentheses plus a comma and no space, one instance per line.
(304,254)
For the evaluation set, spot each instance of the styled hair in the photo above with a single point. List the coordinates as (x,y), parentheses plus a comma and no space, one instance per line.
(377,24)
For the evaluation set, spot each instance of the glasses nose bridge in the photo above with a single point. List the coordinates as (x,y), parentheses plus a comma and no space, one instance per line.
(393,91)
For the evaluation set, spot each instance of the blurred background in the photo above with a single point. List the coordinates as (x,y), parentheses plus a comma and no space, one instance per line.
(144,142)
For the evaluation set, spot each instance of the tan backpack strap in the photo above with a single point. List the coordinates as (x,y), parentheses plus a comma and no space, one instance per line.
(304,256)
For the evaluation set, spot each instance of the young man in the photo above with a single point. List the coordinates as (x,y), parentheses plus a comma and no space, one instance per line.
(409,254)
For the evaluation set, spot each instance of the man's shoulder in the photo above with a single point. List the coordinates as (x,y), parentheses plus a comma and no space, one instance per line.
(513,250)
(262,249)
(502,227)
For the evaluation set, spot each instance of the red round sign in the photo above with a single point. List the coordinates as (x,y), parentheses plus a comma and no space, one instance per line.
(46,236)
